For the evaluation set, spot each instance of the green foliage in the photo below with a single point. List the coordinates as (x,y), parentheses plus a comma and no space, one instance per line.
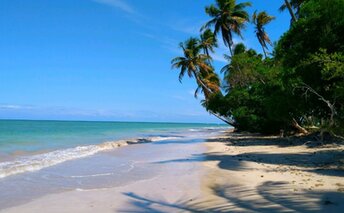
(321,25)
(301,85)
(312,54)
(244,69)
(304,80)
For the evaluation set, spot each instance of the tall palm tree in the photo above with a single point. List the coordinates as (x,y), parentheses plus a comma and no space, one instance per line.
(208,42)
(227,18)
(193,62)
(260,20)
(291,6)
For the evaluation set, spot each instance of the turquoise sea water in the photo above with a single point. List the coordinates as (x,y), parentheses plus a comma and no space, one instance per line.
(33,145)
(33,136)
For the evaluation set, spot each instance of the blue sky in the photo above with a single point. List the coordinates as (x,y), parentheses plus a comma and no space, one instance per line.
(105,59)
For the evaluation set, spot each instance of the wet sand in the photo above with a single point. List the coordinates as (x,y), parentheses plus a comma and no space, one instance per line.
(148,172)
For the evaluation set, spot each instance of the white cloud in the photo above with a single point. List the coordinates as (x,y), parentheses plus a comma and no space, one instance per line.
(13,107)
(166,42)
(188,27)
(120,4)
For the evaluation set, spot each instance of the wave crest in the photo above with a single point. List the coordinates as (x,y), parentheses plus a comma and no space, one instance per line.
(40,161)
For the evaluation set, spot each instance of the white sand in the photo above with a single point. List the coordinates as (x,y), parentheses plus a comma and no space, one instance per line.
(257,174)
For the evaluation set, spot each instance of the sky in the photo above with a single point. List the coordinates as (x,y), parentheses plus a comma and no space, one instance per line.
(106,59)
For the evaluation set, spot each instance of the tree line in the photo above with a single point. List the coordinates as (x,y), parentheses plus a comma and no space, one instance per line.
(298,87)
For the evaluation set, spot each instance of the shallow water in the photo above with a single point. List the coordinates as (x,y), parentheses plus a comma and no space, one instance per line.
(111,168)
(27,146)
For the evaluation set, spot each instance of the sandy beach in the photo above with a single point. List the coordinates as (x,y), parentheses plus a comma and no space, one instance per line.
(227,173)
(251,173)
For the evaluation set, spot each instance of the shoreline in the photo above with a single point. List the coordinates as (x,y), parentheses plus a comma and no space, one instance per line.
(21,162)
(228,172)
(152,173)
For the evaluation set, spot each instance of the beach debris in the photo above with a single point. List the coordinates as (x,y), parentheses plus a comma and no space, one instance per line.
(328,202)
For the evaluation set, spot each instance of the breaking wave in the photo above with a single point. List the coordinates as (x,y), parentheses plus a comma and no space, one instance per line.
(40,161)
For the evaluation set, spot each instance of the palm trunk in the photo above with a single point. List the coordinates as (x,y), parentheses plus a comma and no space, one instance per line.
(208,55)
(201,82)
(293,17)
(223,119)
(211,92)
(264,51)
(230,50)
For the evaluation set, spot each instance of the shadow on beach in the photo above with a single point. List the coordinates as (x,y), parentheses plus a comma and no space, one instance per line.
(267,197)
(321,161)
(252,139)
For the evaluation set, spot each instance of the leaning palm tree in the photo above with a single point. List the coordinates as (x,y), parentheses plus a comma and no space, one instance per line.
(227,18)
(208,42)
(193,62)
(260,20)
(211,84)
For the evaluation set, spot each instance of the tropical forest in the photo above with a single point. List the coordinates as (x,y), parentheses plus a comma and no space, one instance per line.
(294,86)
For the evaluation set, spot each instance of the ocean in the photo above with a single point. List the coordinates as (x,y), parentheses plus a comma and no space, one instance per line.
(27,146)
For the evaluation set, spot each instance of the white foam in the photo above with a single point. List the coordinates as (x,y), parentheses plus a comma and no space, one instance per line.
(40,161)
(94,175)
(163,138)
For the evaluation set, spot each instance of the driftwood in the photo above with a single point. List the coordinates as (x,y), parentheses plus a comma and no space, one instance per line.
(297,126)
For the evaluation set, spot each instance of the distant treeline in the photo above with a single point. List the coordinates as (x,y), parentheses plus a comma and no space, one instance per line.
(298,87)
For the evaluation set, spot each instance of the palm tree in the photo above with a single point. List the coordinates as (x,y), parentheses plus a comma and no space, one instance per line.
(211,81)
(208,42)
(227,18)
(291,6)
(193,63)
(260,20)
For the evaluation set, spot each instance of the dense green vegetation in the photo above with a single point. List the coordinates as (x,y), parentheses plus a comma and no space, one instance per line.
(297,88)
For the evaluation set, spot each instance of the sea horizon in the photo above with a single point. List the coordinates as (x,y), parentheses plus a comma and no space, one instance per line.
(110,121)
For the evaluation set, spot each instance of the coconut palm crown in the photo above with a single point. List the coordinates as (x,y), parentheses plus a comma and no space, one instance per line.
(193,62)
(208,42)
(260,20)
(228,18)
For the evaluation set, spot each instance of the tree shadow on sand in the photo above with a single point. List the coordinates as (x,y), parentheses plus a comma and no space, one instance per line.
(252,139)
(326,162)
(322,162)
(267,197)
(270,196)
